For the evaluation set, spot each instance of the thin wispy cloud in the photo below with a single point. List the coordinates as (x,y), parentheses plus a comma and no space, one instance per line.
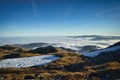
(34,7)
(67,14)
(108,11)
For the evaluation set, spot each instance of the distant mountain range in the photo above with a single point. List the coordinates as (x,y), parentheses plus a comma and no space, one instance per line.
(70,42)
(32,45)
(98,37)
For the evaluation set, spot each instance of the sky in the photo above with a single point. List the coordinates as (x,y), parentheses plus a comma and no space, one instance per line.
(59,17)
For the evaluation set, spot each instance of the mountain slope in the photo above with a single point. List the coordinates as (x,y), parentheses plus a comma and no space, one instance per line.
(70,66)
(108,49)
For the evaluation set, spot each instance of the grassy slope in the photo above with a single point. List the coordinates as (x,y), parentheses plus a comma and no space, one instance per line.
(70,66)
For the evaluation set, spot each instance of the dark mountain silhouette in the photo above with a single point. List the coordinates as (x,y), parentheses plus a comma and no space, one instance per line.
(116,44)
(44,50)
(97,37)
(32,45)
(88,48)
(67,49)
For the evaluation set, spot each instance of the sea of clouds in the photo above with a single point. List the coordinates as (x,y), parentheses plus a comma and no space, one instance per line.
(72,42)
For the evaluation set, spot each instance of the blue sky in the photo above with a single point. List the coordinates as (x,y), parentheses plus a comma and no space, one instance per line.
(59,17)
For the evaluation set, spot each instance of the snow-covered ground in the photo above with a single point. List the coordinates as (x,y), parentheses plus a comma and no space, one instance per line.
(95,53)
(28,61)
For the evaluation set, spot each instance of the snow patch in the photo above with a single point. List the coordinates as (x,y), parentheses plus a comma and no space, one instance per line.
(27,61)
(95,53)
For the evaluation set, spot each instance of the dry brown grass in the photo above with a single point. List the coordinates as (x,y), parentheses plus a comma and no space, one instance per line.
(23,52)
(105,66)
(56,69)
